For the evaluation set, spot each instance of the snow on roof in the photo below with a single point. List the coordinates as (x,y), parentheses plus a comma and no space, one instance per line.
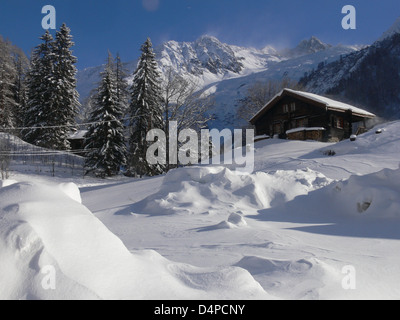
(305,129)
(332,104)
(329,103)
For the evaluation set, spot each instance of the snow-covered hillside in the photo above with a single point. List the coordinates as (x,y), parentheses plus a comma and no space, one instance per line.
(314,221)
(52,247)
(369,78)
(227,93)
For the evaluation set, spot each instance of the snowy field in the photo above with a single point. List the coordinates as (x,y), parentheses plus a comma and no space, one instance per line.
(314,221)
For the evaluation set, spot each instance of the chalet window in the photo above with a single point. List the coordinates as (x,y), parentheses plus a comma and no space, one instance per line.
(340,122)
(302,123)
(337,122)
(285,108)
(293,107)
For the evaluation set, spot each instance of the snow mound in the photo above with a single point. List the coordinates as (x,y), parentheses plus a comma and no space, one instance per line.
(361,205)
(376,195)
(71,190)
(235,220)
(6,183)
(376,141)
(292,279)
(52,247)
(205,190)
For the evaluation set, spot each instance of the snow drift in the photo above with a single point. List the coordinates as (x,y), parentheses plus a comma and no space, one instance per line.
(353,203)
(52,247)
(207,190)
(376,195)
(293,279)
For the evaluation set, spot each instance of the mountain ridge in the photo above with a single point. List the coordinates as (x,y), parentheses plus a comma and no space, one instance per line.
(210,59)
(225,71)
(369,78)
(395,28)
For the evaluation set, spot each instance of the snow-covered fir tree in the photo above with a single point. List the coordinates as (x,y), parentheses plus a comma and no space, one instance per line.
(40,84)
(8,105)
(52,99)
(65,102)
(21,64)
(145,111)
(122,84)
(105,143)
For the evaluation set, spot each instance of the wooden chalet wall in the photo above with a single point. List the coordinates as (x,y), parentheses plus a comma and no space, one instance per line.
(291,113)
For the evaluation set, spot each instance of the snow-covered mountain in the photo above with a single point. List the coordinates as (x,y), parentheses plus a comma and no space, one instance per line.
(226,71)
(206,60)
(369,77)
(306,47)
(209,55)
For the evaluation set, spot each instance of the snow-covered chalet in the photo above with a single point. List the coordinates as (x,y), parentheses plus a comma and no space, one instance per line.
(298,115)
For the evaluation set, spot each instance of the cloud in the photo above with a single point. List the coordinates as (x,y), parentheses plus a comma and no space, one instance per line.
(151,5)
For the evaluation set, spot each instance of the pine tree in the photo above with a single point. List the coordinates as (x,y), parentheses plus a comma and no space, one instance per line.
(145,110)
(122,84)
(21,64)
(65,102)
(8,105)
(52,99)
(39,86)
(105,143)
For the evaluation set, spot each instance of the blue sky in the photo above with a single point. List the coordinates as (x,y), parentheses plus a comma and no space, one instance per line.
(123,25)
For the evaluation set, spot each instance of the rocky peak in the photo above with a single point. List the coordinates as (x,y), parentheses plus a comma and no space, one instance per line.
(305,47)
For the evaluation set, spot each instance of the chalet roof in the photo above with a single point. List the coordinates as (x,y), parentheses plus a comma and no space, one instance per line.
(315,99)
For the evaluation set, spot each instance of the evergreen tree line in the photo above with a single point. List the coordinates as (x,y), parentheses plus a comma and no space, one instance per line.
(150,102)
(40,103)
(13,68)
(38,98)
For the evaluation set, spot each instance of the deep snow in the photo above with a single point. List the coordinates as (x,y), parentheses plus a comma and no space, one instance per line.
(290,230)
(46,226)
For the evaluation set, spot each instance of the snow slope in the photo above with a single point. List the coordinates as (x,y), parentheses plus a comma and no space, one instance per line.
(370,153)
(291,230)
(45,229)
(299,243)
